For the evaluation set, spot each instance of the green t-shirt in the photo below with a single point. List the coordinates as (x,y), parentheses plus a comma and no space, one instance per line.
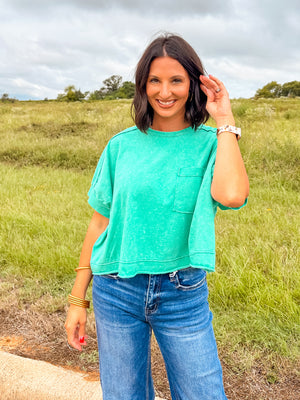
(155,190)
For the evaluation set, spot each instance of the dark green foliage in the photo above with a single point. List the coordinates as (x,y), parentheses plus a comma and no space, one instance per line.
(112,84)
(127,90)
(290,89)
(113,89)
(97,94)
(270,90)
(274,89)
(72,94)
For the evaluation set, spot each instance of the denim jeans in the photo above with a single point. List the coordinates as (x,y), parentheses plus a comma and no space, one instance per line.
(174,306)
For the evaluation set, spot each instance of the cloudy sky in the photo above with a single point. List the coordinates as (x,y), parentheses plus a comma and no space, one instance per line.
(46,45)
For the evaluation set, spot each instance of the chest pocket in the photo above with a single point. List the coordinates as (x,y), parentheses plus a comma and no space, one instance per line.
(188,182)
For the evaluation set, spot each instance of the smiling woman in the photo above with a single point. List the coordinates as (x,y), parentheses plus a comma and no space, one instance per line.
(150,242)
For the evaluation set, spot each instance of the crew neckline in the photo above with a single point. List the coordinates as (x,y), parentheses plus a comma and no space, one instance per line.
(154,132)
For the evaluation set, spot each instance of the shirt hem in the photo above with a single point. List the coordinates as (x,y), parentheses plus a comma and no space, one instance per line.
(128,269)
(99,208)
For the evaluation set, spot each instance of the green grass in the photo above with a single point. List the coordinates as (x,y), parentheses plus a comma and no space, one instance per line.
(59,135)
(48,154)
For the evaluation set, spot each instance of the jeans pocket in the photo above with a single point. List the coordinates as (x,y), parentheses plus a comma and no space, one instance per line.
(188,183)
(190,278)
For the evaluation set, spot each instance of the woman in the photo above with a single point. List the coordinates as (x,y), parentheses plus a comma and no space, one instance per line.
(151,241)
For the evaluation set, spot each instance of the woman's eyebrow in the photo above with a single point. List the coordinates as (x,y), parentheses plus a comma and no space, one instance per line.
(172,77)
(177,76)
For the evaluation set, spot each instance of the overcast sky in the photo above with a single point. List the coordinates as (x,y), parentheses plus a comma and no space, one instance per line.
(46,45)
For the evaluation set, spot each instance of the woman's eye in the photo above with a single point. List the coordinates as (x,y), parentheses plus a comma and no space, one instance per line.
(177,80)
(153,80)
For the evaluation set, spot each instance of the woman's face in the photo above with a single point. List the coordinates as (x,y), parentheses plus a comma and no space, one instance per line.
(167,90)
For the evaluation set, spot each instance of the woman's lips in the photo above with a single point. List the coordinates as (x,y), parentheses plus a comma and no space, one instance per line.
(166,104)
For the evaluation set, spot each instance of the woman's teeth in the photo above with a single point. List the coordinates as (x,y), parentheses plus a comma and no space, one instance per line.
(166,103)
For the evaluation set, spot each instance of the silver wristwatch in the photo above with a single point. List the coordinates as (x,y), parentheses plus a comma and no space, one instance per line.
(230,128)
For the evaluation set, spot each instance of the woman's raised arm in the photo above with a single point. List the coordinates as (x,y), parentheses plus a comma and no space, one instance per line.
(230,184)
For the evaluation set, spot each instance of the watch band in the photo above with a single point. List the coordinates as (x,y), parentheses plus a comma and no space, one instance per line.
(230,128)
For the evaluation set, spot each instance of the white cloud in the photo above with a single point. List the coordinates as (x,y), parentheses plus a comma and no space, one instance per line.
(36,90)
(167,8)
(53,44)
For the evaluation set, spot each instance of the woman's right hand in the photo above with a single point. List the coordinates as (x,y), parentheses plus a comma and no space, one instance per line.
(75,326)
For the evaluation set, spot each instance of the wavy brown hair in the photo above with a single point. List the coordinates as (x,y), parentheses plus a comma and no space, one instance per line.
(176,47)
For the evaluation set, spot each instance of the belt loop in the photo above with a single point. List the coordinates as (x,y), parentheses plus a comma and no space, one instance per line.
(172,275)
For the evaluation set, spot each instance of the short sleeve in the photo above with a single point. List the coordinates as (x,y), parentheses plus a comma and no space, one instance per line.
(100,193)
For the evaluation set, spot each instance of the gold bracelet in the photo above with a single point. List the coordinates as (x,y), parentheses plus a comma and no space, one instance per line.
(78,302)
(80,268)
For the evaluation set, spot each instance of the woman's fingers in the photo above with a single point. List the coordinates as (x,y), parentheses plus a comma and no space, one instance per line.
(213,78)
(75,327)
(77,339)
(220,84)
(214,84)
(208,92)
(208,82)
(73,338)
(208,87)
(81,334)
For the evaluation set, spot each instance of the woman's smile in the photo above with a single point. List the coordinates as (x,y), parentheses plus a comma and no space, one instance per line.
(166,104)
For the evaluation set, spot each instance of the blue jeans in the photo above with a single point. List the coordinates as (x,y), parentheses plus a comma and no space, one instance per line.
(175,307)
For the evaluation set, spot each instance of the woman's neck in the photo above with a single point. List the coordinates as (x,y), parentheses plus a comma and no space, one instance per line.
(164,125)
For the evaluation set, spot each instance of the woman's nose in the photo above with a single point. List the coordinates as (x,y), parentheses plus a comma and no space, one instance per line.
(165,90)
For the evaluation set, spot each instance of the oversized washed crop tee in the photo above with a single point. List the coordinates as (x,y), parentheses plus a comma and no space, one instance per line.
(155,190)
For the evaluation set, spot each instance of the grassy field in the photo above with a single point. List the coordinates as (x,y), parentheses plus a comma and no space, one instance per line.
(48,153)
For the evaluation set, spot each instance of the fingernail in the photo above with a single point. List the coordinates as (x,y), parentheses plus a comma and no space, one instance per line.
(81,339)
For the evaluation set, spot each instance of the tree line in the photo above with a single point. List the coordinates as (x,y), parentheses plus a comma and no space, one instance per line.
(274,89)
(112,88)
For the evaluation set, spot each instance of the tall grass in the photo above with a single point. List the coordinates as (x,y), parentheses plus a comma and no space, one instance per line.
(62,135)
(48,154)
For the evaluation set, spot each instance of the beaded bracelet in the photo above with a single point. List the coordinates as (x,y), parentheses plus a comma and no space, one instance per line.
(78,302)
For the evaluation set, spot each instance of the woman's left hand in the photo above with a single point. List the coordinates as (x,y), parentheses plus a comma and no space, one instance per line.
(218,102)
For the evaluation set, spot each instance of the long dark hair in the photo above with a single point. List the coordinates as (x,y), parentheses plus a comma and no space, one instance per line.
(176,47)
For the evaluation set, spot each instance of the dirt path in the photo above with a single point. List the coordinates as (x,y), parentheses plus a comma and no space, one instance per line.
(31,334)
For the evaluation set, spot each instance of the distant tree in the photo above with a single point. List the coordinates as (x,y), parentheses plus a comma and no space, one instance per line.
(290,89)
(6,99)
(270,90)
(61,97)
(112,89)
(127,90)
(112,84)
(72,94)
(98,94)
